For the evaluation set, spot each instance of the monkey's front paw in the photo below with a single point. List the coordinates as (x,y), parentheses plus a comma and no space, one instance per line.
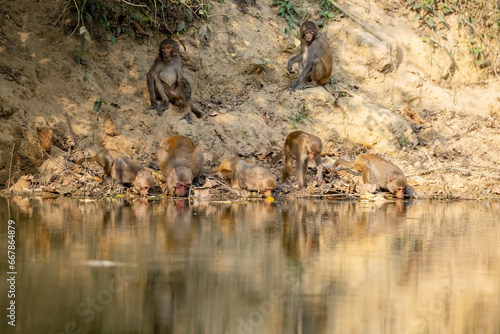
(188,119)
(161,108)
(293,86)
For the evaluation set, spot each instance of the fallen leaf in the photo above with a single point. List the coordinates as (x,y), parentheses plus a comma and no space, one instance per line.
(45,139)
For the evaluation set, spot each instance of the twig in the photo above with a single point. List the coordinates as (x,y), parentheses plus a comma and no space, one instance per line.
(446,188)
(139,28)
(133,4)
(355,19)
(78,23)
(334,195)
(11,159)
(64,11)
(189,192)
(472,172)
(73,134)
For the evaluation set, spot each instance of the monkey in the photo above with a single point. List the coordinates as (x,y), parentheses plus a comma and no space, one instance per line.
(180,163)
(315,59)
(302,147)
(244,5)
(379,171)
(246,176)
(122,169)
(167,83)
(226,168)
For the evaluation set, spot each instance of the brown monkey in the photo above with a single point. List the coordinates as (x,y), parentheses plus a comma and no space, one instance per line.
(122,169)
(180,163)
(247,176)
(226,168)
(167,83)
(376,170)
(302,147)
(244,5)
(315,59)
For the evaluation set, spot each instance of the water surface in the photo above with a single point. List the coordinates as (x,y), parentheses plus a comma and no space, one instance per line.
(299,266)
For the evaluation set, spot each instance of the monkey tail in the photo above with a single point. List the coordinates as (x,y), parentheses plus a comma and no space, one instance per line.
(277,158)
(82,160)
(197,112)
(346,163)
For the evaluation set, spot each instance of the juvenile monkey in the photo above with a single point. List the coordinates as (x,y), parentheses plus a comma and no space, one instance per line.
(376,170)
(120,167)
(315,59)
(180,163)
(247,176)
(302,147)
(167,83)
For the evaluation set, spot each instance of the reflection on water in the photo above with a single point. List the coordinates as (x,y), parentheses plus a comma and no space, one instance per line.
(299,266)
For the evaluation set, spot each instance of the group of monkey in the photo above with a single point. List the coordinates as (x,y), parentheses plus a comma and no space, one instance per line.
(181,161)
(181,164)
(167,84)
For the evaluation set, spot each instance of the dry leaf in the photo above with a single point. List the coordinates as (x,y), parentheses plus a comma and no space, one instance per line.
(45,138)
(413,116)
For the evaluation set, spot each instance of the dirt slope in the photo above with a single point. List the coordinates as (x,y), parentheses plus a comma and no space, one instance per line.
(392,76)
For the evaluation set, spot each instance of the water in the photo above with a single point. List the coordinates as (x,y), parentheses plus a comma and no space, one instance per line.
(299,266)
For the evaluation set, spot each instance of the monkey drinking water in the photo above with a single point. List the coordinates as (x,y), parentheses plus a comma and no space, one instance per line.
(120,168)
(376,170)
(247,176)
(180,163)
(302,147)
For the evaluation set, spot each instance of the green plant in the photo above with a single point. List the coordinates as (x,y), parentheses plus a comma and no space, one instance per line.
(327,12)
(261,64)
(231,56)
(290,12)
(478,21)
(79,59)
(136,16)
(300,116)
(98,105)
(427,10)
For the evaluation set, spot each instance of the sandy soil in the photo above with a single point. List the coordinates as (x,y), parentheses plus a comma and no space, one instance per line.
(441,130)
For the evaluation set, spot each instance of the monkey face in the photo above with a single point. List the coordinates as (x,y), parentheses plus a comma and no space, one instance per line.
(308,36)
(267,192)
(313,152)
(397,189)
(308,31)
(181,188)
(399,192)
(142,190)
(166,50)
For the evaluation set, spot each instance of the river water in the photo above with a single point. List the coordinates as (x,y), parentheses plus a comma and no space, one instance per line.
(299,266)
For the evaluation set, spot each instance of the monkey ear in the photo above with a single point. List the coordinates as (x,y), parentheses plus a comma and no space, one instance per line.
(172,173)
